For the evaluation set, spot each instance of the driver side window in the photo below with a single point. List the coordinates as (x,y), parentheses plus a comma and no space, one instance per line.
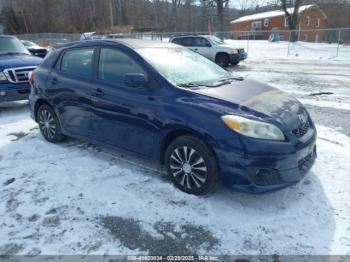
(114,65)
(201,42)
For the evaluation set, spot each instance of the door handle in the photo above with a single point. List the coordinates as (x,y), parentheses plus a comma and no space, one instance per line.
(54,81)
(98,92)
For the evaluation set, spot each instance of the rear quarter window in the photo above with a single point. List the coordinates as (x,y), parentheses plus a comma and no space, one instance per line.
(50,59)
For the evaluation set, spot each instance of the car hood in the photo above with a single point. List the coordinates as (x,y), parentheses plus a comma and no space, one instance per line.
(250,95)
(12,61)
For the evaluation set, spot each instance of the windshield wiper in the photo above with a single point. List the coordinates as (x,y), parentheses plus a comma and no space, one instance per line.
(220,82)
(189,85)
(237,78)
(225,81)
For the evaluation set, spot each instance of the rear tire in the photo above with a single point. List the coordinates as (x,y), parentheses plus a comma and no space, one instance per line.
(192,165)
(49,125)
(222,60)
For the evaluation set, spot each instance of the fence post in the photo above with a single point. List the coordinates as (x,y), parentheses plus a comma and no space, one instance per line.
(339,37)
(248,42)
(289,43)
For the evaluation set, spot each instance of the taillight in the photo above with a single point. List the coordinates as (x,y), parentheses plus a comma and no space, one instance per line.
(31,77)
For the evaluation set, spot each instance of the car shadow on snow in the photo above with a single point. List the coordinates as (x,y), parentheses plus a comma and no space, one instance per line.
(295,220)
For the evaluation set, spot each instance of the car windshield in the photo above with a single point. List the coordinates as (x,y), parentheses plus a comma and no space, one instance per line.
(12,46)
(184,67)
(215,40)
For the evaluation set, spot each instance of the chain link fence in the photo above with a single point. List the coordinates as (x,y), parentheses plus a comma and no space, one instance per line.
(308,44)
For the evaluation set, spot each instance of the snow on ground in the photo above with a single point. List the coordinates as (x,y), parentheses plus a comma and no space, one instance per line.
(298,50)
(76,198)
(310,69)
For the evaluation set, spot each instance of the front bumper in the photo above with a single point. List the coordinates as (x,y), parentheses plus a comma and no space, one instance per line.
(14,92)
(265,166)
(235,58)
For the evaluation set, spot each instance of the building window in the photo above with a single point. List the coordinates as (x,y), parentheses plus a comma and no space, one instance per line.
(286,22)
(256,25)
(308,20)
(266,22)
(318,22)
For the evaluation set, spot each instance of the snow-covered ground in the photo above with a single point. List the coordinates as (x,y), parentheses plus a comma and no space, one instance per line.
(299,50)
(76,198)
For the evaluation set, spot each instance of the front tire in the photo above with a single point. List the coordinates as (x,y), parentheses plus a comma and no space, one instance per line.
(192,166)
(49,125)
(222,60)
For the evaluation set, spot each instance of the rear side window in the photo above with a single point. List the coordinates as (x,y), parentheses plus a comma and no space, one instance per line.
(177,41)
(188,41)
(78,61)
(114,65)
(50,59)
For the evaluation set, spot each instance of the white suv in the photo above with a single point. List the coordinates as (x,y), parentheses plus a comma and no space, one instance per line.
(213,48)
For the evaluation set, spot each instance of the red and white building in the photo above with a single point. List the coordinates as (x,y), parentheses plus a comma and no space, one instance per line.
(312,21)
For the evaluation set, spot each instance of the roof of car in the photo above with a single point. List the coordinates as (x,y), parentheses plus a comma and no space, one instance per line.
(131,43)
(178,36)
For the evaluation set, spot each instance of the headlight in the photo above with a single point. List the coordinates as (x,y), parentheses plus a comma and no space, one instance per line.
(3,77)
(234,51)
(253,128)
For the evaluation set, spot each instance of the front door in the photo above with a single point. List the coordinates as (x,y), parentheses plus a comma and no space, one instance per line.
(124,116)
(202,46)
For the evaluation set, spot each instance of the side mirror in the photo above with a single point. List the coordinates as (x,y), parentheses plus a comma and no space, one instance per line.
(208,45)
(135,80)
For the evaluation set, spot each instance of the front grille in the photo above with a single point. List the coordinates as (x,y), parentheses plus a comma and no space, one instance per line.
(266,177)
(302,130)
(19,74)
(306,163)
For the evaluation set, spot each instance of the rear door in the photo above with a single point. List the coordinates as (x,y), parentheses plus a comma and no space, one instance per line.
(70,89)
(123,116)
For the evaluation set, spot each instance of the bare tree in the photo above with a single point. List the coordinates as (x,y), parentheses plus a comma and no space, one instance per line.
(38,16)
(293,13)
(220,6)
(175,5)
(291,10)
(246,5)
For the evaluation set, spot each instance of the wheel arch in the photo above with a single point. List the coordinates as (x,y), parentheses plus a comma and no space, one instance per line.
(174,134)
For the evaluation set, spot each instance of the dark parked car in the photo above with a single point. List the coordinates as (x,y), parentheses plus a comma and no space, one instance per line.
(164,102)
(35,49)
(15,64)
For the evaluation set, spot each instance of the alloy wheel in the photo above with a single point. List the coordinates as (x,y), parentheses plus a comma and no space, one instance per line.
(47,124)
(188,167)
